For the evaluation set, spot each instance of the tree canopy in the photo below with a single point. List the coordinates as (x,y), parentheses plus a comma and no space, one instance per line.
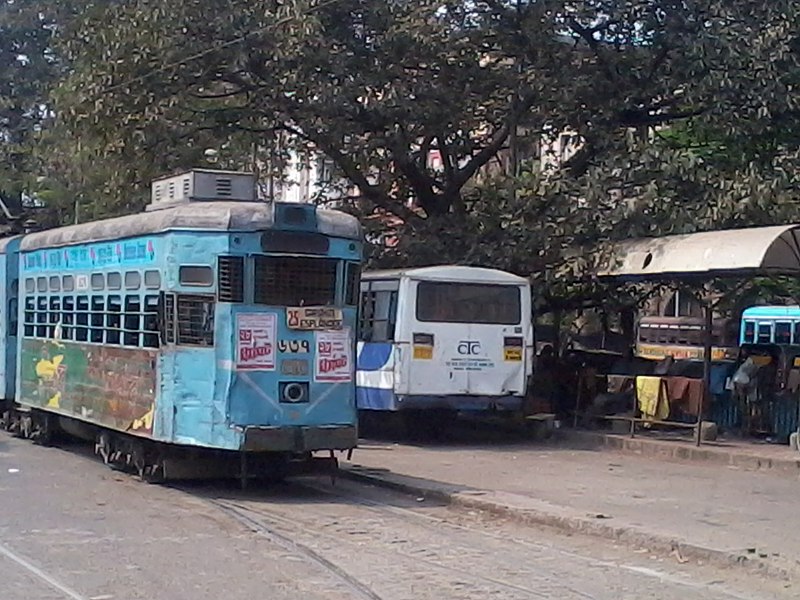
(686,113)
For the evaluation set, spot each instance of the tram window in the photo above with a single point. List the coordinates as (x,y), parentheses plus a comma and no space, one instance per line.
(783,333)
(295,281)
(30,285)
(41,317)
(352,281)
(41,284)
(195,320)
(98,282)
(114,320)
(68,283)
(114,281)
(55,284)
(749,332)
(55,317)
(764,334)
(13,319)
(97,319)
(169,319)
(152,280)
(378,316)
(132,320)
(196,276)
(82,319)
(68,317)
(133,280)
(151,306)
(796,338)
(230,278)
(29,316)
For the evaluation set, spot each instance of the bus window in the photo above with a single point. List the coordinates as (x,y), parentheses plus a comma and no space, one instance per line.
(439,302)
(783,333)
(796,338)
(764,333)
(749,332)
(378,316)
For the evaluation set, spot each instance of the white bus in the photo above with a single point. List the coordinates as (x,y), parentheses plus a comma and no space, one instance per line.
(444,337)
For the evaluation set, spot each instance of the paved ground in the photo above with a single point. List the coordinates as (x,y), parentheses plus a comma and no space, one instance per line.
(720,508)
(71,529)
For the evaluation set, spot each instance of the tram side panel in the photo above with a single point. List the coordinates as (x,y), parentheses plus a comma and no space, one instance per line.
(192,409)
(89,339)
(9,311)
(136,336)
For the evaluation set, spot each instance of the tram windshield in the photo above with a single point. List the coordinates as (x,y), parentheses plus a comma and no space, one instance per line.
(442,302)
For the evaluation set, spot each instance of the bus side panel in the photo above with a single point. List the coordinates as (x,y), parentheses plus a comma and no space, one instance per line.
(376,376)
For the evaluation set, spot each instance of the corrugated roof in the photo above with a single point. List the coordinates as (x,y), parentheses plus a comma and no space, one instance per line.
(733,252)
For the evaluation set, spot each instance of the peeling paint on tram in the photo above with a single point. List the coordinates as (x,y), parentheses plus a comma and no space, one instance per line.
(105,385)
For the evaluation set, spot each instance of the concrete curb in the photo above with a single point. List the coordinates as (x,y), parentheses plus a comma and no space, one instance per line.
(530,515)
(682,452)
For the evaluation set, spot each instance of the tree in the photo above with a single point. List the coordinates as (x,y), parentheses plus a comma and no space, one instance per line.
(686,111)
(28,67)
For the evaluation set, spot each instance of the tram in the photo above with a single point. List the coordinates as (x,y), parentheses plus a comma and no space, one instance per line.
(212,326)
(443,338)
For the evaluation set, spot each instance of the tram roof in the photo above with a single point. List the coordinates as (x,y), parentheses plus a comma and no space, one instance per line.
(454,273)
(5,242)
(195,216)
(790,310)
(751,252)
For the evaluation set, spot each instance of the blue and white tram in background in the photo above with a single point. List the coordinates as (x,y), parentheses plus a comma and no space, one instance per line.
(212,322)
(446,338)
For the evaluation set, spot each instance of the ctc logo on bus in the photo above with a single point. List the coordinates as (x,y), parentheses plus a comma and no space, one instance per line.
(469,348)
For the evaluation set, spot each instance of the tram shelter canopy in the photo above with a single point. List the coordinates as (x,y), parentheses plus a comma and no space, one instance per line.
(700,257)
(732,253)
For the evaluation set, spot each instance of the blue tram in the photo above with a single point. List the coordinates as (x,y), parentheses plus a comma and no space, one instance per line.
(211,321)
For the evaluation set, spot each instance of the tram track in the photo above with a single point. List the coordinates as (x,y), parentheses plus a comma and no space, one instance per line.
(254,520)
(359,538)
(423,558)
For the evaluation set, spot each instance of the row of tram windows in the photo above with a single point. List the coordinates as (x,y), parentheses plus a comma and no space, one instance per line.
(131,320)
(51,311)
(123,320)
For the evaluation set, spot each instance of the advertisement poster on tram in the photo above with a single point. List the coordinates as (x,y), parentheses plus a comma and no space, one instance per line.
(334,360)
(255,348)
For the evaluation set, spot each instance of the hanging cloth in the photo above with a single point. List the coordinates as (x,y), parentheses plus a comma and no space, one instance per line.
(652,398)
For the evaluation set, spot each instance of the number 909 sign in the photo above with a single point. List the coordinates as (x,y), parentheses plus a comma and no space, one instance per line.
(294,346)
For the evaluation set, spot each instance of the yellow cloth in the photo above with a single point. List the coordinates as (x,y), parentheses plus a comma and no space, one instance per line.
(653,404)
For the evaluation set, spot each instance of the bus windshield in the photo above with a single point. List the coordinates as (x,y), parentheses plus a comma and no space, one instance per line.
(440,302)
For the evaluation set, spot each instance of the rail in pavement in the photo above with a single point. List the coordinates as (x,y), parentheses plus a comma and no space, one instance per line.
(694,512)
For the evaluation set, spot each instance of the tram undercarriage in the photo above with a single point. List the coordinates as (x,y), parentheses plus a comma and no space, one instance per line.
(158,462)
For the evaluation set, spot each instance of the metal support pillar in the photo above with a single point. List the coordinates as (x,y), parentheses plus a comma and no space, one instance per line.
(706,397)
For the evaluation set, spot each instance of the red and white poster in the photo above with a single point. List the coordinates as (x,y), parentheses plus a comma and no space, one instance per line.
(255,346)
(334,360)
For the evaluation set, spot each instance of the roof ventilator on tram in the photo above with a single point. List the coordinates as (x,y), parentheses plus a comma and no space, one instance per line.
(202,185)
